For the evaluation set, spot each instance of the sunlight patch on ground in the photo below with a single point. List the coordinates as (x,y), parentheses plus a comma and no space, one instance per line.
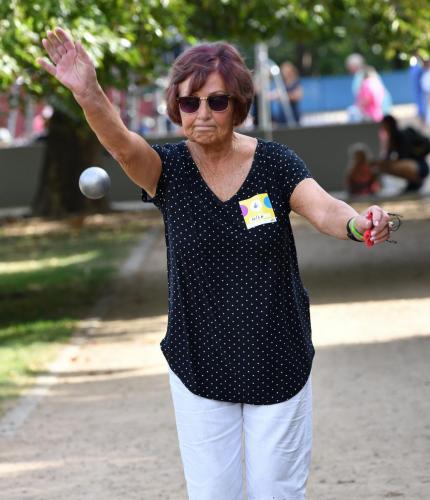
(20,467)
(366,322)
(23,266)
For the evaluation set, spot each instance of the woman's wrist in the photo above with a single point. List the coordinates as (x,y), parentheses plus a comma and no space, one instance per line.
(352,232)
(90,97)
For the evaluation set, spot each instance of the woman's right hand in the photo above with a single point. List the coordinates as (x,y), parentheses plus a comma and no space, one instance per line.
(70,63)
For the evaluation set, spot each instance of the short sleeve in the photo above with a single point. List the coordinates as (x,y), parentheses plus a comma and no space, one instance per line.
(293,170)
(166,154)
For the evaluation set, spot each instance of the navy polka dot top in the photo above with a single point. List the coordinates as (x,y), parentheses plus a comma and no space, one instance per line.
(238,323)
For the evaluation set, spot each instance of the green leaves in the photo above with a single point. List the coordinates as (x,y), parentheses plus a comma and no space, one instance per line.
(399,27)
(127,37)
(122,36)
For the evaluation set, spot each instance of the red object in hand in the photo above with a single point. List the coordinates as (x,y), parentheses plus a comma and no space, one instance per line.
(367,241)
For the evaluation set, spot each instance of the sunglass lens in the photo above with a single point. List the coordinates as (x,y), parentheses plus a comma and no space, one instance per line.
(218,102)
(189,104)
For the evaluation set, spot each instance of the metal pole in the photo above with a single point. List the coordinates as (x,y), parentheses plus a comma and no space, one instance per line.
(263,88)
(132,104)
(29,115)
(161,111)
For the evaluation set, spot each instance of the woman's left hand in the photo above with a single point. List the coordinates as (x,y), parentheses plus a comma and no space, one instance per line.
(378,224)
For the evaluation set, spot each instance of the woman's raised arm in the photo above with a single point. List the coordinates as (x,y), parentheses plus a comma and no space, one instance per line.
(71,65)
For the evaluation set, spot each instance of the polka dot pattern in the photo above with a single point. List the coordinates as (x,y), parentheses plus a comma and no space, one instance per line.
(238,321)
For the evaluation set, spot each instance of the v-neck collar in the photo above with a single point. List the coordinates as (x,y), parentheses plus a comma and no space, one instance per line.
(205,184)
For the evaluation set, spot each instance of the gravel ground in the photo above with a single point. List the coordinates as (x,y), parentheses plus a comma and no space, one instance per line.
(101,424)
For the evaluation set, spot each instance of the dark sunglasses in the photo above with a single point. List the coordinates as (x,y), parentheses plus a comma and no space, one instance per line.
(190,104)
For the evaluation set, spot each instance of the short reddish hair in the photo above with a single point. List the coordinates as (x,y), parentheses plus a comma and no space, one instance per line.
(199,62)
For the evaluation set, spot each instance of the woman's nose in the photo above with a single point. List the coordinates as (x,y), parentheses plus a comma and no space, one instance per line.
(204,110)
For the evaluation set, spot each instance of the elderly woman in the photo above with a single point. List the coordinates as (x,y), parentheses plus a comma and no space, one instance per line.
(238,340)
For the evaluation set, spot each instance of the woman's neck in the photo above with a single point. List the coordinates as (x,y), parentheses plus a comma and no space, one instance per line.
(216,153)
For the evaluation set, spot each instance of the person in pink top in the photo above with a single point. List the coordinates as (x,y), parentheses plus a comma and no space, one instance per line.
(370,96)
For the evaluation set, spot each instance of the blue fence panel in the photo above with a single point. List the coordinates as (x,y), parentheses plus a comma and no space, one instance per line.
(329,93)
(400,85)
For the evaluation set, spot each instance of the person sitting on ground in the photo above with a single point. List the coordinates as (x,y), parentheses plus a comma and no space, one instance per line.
(403,153)
(361,178)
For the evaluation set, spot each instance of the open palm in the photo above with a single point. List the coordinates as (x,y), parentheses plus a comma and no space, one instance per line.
(70,64)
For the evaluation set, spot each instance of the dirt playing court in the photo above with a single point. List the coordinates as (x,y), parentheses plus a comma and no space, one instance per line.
(101,426)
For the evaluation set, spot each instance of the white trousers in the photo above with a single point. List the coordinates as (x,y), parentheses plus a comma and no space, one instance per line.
(277,445)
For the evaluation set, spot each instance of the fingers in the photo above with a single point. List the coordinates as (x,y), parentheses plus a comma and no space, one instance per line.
(57,44)
(375,224)
(50,68)
(50,49)
(380,221)
(362,223)
(379,217)
(382,236)
(82,53)
(64,38)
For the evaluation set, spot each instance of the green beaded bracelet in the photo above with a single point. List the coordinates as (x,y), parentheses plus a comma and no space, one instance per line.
(352,232)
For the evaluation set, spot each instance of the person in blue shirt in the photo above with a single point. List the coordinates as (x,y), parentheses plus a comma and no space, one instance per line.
(415,73)
(294,95)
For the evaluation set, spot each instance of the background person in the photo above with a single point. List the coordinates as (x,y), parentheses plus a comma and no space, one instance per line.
(238,342)
(425,87)
(403,153)
(362,178)
(294,91)
(40,123)
(356,64)
(415,73)
(370,96)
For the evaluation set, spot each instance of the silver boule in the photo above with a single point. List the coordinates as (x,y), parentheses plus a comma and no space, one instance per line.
(94,183)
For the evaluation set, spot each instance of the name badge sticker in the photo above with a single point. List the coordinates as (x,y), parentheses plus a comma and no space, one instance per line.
(257,210)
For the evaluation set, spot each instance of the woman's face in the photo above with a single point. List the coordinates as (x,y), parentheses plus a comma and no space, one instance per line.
(205,126)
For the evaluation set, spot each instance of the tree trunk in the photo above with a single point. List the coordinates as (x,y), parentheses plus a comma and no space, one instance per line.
(71,147)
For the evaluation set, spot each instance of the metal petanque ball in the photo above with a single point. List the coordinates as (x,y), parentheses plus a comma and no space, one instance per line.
(94,183)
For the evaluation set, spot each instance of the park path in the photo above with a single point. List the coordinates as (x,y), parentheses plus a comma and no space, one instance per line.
(105,429)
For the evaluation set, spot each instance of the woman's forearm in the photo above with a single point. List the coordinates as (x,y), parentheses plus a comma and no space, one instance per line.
(336,217)
(330,215)
(105,121)
(326,213)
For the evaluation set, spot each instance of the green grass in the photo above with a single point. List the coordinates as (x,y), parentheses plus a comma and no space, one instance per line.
(48,282)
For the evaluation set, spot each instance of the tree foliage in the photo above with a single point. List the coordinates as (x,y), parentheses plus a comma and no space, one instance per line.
(392,30)
(123,37)
(129,38)
(383,29)
(255,20)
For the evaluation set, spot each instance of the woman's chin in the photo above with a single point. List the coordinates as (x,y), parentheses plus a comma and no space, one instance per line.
(204,137)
